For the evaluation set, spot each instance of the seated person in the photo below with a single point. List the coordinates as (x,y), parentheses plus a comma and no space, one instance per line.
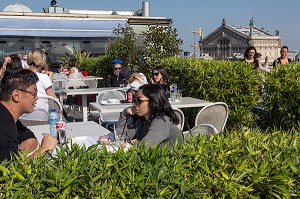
(113,79)
(160,76)
(74,71)
(151,119)
(134,80)
(18,96)
(37,60)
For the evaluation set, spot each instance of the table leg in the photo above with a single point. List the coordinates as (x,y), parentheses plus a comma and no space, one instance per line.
(84,108)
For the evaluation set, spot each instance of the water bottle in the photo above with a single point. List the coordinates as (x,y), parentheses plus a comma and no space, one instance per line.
(53,117)
(173,92)
(61,128)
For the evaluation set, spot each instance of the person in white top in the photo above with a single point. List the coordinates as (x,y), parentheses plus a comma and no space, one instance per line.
(36,59)
(74,72)
(134,80)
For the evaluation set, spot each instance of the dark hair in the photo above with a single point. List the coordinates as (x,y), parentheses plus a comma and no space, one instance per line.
(163,73)
(158,102)
(257,55)
(72,63)
(284,47)
(14,64)
(248,49)
(16,79)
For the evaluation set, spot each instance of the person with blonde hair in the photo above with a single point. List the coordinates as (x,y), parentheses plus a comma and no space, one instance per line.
(36,60)
(134,80)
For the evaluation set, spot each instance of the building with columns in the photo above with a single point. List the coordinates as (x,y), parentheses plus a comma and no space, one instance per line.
(232,41)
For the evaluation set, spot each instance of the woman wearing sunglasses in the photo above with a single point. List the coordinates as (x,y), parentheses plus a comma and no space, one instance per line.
(151,119)
(160,76)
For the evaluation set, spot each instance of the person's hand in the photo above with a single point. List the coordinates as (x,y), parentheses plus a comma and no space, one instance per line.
(48,143)
(134,141)
(266,59)
(130,111)
(7,59)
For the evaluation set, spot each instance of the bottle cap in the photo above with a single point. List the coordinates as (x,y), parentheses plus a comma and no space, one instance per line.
(53,110)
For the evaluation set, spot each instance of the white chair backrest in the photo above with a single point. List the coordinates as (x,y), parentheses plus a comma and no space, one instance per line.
(75,84)
(181,118)
(91,82)
(40,116)
(53,103)
(110,94)
(201,129)
(76,76)
(215,114)
(123,92)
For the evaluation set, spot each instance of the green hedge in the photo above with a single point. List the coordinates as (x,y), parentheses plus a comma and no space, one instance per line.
(97,66)
(234,165)
(282,97)
(234,83)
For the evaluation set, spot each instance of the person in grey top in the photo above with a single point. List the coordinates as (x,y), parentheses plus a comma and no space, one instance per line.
(151,118)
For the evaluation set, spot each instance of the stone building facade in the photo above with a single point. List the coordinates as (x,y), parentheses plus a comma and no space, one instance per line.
(232,41)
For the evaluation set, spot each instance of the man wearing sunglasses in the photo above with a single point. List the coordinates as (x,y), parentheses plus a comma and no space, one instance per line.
(18,95)
(113,79)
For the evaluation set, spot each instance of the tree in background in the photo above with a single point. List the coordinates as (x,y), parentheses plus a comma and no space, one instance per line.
(125,46)
(144,50)
(160,42)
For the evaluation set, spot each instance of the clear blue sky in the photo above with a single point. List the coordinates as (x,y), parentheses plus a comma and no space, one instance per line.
(187,14)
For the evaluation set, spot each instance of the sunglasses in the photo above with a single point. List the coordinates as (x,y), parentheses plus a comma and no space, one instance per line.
(117,68)
(137,100)
(156,74)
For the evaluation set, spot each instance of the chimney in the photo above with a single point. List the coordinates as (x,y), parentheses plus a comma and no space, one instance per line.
(146,9)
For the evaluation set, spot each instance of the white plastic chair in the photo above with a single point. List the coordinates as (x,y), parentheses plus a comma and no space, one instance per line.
(215,114)
(201,129)
(109,118)
(91,82)
(41,116)
(74,84)
(181,118)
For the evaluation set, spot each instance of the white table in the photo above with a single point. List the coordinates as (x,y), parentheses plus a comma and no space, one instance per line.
(185,102)
(89,128)
(84,93)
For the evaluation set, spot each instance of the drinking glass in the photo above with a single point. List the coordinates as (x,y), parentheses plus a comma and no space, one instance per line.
(179,94)
(65,136)
(121,140)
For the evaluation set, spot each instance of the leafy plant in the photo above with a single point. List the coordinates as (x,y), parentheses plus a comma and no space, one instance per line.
(234,83)
(282,87)
(239,164)
(125,46)
(160,42)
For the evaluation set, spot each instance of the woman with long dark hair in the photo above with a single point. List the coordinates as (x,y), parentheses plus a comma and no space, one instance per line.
(160,76)
(249,56)
(151,119)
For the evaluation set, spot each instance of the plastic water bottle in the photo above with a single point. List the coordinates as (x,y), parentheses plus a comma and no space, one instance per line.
(53,117)
(61,128)
(173,92)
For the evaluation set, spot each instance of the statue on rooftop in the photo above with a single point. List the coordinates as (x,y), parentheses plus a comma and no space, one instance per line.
(252,21)
(277,32)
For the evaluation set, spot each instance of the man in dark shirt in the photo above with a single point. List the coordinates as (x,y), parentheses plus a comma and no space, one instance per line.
(18,95)
(113,79)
